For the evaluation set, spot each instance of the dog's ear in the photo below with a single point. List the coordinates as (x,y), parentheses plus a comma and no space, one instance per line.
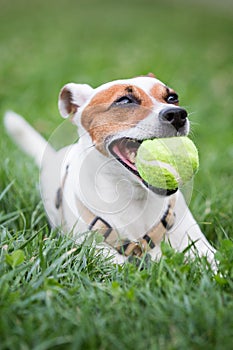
(151,75)
(72,96)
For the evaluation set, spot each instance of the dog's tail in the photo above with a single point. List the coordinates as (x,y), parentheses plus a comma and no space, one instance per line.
(27,138)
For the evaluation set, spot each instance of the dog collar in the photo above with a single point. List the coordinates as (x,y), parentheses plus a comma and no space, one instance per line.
(124,246)
(111,236)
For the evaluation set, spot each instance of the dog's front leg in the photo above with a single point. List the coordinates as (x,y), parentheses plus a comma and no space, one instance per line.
(186,232)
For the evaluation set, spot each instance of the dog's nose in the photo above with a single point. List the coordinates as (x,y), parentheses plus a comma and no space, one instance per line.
(175,116)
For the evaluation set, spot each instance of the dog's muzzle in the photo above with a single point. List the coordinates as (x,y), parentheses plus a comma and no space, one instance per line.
(125,152)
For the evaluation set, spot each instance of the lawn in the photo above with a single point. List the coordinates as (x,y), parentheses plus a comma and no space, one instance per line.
(55,294)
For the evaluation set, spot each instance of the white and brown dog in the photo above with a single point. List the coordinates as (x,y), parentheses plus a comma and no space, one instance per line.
(93,185)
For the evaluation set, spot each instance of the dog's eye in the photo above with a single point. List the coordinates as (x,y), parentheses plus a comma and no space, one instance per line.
(124,100)
(129,99)
(172,98)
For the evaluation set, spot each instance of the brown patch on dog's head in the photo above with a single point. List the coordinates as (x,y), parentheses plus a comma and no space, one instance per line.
(113,107)
(162,92)
(159,92)
(106,115)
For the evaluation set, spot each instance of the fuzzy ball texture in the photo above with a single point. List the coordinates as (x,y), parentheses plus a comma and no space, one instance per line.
(167,163)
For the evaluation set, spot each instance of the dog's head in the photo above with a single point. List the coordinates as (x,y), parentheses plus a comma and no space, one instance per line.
(119,115)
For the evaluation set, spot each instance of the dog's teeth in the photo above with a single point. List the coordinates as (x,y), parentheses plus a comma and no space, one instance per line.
(132,157)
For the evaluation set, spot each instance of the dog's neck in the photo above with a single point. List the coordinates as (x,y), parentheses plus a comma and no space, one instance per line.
(110,191)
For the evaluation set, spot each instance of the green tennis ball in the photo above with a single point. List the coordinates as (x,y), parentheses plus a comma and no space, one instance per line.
(167,163)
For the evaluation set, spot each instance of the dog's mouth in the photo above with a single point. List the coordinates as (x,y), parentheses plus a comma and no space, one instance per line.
(125,152)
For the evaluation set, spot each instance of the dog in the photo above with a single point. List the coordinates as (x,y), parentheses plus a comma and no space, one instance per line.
(93,185)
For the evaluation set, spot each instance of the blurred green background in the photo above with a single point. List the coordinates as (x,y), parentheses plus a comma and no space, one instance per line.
(187,44)
(54,300)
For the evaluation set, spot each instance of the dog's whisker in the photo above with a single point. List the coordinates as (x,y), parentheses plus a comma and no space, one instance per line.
(194,122)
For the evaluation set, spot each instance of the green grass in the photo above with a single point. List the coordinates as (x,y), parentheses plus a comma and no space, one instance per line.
(56,295)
